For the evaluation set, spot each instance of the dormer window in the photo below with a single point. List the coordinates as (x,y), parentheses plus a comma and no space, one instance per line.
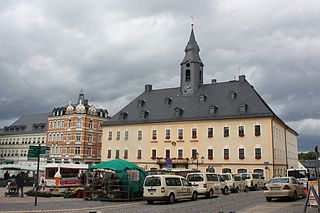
(141,102)
(203,98)
(123,115)
(243,108)
(144,114)
(168,100)
(233,94)
(213,109)
(178,112)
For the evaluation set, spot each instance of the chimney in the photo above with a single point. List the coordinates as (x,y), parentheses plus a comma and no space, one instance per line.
(242,78)
(213,81)
(147,87)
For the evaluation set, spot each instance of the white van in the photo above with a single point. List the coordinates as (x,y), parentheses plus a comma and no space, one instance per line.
(207,184)
(234,182)
(254,181)
(168,188)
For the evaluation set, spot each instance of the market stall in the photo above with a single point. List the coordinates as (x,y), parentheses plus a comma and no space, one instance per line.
(115,180)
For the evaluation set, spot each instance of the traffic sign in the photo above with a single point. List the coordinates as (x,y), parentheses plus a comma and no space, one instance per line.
(266,163)
(35,151)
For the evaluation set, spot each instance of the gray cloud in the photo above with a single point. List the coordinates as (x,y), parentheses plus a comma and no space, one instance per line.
(50,49)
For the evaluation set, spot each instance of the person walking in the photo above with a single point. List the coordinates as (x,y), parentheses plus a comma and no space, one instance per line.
(6,175)
(20,178)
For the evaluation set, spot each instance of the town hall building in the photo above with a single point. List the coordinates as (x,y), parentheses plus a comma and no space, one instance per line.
(225,126)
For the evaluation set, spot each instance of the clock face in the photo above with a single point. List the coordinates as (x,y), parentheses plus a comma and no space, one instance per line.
(187,88)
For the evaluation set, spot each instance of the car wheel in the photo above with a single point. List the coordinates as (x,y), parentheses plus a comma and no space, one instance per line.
(194,196)
(295,196)
(237,189)
(210,194)
(225,190)
(171,199)
(268,199)
(150,201)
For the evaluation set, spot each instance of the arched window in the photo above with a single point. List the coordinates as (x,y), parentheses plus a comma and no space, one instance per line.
(188,75)
(226,170)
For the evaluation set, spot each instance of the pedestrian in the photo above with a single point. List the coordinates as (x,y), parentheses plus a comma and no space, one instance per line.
(20,178)
(43,183)
(6,175)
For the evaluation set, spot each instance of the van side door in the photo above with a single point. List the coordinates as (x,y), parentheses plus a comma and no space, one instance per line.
(187,188)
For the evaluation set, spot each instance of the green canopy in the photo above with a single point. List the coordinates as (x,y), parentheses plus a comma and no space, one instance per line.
(116,165)
(8,161)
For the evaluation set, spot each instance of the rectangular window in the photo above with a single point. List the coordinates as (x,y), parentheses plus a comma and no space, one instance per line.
(62,124)
(68,151)
(180,153)
(99,138)
(241,131)
(194,154)
(139,156)
(125,154)
(180,134)
(167,133)
(257,153)
(241,153)
(167,153)
(226,154)
(79,123)
(69,123)
(257,130)
(226,131)
(139,134)
(194,133)
(77,150)
(154,154)
(78,137)
(154,134)
(210,132)
(118,135)
(188,75)
(110,135)
(68,137)
(89,151)
(109,153)
(210,154)
(90,137)
(91,124)
(126,135)
(117,153)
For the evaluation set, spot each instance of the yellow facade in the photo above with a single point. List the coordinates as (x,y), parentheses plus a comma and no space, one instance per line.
(271,141)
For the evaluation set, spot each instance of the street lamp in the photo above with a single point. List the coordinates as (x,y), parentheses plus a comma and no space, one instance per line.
(202,160)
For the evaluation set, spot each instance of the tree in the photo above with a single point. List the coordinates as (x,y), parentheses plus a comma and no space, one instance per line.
(307,156)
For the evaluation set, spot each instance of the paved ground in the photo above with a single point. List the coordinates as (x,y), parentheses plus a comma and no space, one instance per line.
(241,202)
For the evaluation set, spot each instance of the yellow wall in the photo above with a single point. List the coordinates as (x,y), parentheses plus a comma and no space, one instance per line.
(218,143)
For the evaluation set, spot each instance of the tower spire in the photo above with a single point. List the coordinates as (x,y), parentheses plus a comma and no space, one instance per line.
(191,67)
(81,96)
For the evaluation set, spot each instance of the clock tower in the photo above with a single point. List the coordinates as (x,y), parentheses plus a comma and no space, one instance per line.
(191,76)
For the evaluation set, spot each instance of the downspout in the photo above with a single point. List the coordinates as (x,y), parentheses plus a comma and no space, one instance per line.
(273,164)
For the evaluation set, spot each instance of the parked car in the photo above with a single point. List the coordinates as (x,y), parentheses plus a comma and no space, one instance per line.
(234,182)
(224,186)
(283,187)
(254,181)
(206,183)
(168,188)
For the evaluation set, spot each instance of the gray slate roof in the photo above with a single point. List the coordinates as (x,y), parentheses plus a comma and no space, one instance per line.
(28,122)
(218,94)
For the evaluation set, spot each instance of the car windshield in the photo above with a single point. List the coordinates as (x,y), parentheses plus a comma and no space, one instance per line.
(226,177)
(297,173)
(237,178)
(279,180)
(152,181)
(255,176)
(195,177)
(245,176)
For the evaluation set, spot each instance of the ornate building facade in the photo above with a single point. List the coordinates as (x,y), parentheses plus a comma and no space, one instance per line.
(74,132)
(226,126)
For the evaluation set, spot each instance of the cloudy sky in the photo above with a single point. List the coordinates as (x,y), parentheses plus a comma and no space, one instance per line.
(49,50)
